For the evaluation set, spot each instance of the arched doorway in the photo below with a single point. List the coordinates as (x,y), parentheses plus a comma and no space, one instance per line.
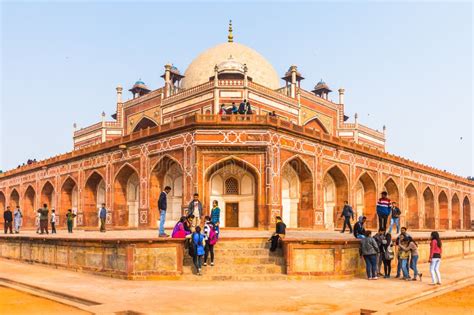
(167,172)
(336,191)
(29,207)
(14,199)
(443,211)
(455,213)
(94,197)
(297,194)
(47,196)
(466,213)
(411,207)
(392,190)
(68,200)
(144,123)
(234,185)
(126,188)
(2,202)
(366,199)
(428,207)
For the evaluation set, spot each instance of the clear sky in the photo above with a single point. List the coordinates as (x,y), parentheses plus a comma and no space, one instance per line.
(407,65)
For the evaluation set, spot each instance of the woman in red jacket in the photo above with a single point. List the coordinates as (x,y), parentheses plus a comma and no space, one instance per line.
(435,258)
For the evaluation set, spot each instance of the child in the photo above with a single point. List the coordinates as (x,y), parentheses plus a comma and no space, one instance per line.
(70,220)
(211,240)
(198,244)
(53,221)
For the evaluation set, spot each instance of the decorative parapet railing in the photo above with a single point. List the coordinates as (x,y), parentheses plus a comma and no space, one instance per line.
(88,129)
(143,98)
(238,83)
(362,128)
(236,121)
(188,92)
(317,99)
(272,93)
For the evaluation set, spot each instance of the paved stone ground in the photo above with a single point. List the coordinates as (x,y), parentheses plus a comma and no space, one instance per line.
(228,297)
(226,233)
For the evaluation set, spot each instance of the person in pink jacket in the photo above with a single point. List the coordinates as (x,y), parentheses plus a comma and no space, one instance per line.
(179,231)
(435,258)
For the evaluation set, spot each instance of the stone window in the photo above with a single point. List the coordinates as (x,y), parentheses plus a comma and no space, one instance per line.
(231,186)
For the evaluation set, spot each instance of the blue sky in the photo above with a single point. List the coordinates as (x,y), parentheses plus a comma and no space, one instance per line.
(406,65)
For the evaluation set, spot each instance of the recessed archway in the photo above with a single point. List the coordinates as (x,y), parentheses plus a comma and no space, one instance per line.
(336,191)
(47,196)
(466,214)
(429,210)
(144,123)
(455,213)
(443,211)
(2,202)
(68,198)
(297,194)
(411,206)
(94,197)
(126,197)
(392,190)
(14,199)
(366,199)
(166,172)
(29,207)
(316,124)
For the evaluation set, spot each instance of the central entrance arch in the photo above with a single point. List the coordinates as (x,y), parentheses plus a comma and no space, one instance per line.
(68,198)
(336,191)
(126,188)
(366,199)
(94,197)
(233,183)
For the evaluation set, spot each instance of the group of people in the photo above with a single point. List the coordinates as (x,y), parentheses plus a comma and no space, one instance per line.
(11,219)
(244,108)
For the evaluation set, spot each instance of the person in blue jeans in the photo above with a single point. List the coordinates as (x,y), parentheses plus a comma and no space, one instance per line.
(198,243)
(162,206)
(404,256)
(369,250)
(395,219)
(359,230)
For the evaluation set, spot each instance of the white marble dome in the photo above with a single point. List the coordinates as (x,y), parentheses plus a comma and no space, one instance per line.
(202,68)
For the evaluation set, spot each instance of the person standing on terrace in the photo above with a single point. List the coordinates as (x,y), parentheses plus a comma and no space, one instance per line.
(383,210)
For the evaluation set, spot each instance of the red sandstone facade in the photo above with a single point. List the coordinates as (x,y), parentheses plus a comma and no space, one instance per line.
(302,164)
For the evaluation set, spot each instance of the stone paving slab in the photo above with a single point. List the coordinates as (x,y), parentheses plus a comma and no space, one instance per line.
(231,297)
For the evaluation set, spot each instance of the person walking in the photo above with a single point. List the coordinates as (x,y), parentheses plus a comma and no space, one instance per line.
(216,216)
(359,230)
(435,258)
(280,232)
(347,214)
(7,220)
(198,243)
(211,240)
(162,206)
(70,220)
(368,250)
(195,208)
(53,221)
(43,219)
(387,256)
(17,219)
(395,219)
(383,210)
(102,217)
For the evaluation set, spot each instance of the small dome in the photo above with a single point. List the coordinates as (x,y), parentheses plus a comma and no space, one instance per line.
(322,86)
(140,82)
(230,66)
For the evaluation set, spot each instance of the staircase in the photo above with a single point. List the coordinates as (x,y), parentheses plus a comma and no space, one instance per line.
(239,259)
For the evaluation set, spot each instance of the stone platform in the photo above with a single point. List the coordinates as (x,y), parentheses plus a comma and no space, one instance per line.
(240,254)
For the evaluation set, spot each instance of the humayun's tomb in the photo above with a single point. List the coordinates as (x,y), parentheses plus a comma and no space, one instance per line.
(302,162)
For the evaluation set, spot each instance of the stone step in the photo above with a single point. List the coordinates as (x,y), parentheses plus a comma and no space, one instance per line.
(236,269)
(235,277)
(243,245)
(224,260)
(245,252)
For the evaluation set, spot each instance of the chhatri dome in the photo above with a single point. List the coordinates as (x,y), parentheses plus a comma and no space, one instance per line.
(202,68)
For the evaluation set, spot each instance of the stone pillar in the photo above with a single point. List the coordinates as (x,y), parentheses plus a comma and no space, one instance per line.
(341,96)
(246,82)
(216,91)
(167,80)
(119,94)
(293,81)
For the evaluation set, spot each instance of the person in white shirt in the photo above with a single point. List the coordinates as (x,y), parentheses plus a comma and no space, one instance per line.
(53,221)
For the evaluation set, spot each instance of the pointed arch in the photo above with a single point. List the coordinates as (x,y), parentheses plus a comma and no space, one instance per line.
(2,201)
(127,166)
(144,123)
(301,188)
(126,192)
(336,191)
(429,209)
(47,195)
(455,212)
(69,197)
(466,213)
(14,199)
(29,207)
(411,207)
(443,210)
(316,124)
(94,196)
(366,198)
(391,188)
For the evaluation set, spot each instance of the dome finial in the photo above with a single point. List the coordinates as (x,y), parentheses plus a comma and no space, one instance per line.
(230,37)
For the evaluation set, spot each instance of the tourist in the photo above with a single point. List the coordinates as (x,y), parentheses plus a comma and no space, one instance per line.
(369,250)
(242,107)
(7,220)
(383,210)
(280,232)
(37,221)
(162,206)
(43,219)
(195,208)
(413,247)
(404,256)
(381,239)
(347,214)
(387,256)
(188,224)
(102,217)
(211,240)
(53,221)
(17,219)
(216,216)
(272,114)
(70,220)
(435,258)
(395,219)
(359,230)
(234,109)
(248,108)
(179,231)
(222,110)
(198,244)
(403,234)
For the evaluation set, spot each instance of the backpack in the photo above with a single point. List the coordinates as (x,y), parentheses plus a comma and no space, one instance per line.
(198,244)
(212,235)
(389,255)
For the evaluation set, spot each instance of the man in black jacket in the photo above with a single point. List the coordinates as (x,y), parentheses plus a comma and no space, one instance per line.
(347,214)
(242,108)
(8,219)
(280,232)
(162,207)
(359,230)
